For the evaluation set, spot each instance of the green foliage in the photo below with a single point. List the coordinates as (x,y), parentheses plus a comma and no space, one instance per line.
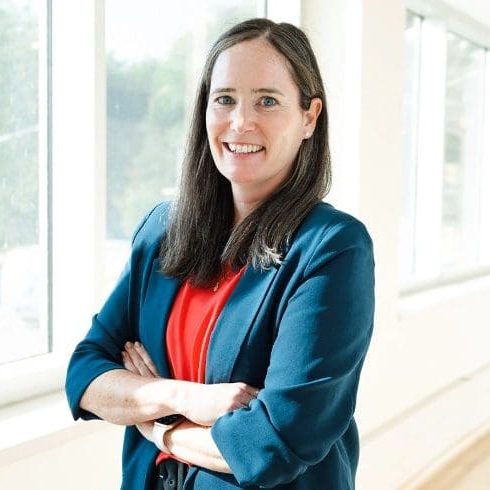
(146,112)
(18,126)
(146,104)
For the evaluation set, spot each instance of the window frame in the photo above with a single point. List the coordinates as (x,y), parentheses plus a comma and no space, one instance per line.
(18,377)
(72,84)
(437,21)
(74,216)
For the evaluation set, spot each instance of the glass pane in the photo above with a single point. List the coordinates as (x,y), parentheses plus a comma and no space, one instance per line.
(463,153)
(23,321)
(410,117)
(155,51)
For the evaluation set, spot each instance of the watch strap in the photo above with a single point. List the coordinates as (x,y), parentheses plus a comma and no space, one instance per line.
(161,426)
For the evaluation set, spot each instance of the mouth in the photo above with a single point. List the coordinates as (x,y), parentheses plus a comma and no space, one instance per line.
(243,148)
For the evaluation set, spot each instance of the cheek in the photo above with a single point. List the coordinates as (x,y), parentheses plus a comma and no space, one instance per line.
(289,140)
(283,128)
(296,134)
(215,123)
(209,123)
(213,132)
(288,148)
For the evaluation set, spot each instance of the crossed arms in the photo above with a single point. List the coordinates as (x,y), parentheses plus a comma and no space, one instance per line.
(138,395)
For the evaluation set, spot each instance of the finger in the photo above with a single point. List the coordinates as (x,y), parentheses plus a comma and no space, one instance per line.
(245,399)
(140,361)
(146,359)
(252,390)
(128,363)
(245,402)
(137,360)
(243,396)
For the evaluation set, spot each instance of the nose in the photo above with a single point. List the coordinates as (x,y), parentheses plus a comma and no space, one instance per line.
(242,119)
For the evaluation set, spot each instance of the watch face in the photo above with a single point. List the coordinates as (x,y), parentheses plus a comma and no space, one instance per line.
(169,419)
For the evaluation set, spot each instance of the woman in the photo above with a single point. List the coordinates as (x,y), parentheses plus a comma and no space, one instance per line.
(233,342)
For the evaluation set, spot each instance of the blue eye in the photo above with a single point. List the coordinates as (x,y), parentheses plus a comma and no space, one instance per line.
(269,101)
(224,100)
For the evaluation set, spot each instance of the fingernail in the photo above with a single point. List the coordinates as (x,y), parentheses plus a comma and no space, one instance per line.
(137,344)
(127,345)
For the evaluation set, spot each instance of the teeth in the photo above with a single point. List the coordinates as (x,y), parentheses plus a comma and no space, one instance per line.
(244,148)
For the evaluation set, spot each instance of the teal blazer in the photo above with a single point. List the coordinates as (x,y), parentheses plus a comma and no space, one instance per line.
(299,331)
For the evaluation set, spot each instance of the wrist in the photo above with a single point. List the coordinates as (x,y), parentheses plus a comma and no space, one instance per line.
(165,396)
(183,396)
(167,439)
(176,436)
(154,397)
(161,428)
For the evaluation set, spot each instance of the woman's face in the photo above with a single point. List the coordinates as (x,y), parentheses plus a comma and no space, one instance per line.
(254,122)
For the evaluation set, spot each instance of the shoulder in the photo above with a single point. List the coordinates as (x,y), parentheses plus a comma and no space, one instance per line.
(327,231)
(325,221)
(151,228)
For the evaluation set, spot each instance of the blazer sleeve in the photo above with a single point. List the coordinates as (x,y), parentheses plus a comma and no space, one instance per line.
(100,350)
(310,388)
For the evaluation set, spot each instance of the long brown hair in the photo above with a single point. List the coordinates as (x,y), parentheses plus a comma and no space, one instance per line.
(200,237)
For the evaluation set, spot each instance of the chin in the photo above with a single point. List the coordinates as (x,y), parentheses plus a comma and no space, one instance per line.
(240,180)
(237,175)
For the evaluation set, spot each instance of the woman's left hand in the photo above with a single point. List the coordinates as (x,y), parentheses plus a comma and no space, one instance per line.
(146,430)
(204,402)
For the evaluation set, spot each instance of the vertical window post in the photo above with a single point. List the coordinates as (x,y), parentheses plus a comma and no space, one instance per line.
(78,165)
(430,156)
(484,251)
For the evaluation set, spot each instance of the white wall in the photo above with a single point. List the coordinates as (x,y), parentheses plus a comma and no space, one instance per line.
(78,458)
(425,343)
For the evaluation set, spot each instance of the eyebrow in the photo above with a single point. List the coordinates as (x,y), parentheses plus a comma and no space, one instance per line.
(264,90)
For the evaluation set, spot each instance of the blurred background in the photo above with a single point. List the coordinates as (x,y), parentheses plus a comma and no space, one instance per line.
(95,97)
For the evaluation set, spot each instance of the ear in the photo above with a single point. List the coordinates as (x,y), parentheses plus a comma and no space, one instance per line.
(311,116)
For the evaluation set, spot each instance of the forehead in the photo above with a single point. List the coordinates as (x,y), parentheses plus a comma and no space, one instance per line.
(255,63)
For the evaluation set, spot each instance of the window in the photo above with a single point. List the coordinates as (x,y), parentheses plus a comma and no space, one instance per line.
(68,206)
(24,295)
(410,124)
(464,111)
(445,219)
(154,59)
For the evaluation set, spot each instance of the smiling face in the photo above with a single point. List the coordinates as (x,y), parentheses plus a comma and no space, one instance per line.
(254,121)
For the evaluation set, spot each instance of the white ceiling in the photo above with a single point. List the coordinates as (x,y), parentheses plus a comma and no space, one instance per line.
(478,9)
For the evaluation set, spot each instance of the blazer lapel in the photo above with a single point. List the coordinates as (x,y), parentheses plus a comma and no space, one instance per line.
(155,311)
(234,322)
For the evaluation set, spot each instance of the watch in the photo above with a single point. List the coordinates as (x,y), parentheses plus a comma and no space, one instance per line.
(169,419)
(161,426)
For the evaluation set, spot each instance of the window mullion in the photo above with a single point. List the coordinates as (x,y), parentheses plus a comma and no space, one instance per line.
(430,156)
(44,172)
(484,238)
(78,166)
(474,167)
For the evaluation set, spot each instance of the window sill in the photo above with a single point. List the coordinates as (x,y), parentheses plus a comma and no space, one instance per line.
(32,377)
(425,297)
(36,424)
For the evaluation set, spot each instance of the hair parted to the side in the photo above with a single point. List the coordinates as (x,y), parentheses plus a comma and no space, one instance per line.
(200,236)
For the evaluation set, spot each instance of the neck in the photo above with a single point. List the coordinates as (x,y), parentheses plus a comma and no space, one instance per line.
(245,199)
(243,209)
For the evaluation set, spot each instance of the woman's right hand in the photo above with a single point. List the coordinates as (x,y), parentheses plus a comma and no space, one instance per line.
(200,403)
(204,403)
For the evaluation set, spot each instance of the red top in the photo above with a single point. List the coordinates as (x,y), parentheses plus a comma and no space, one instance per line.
(190,325)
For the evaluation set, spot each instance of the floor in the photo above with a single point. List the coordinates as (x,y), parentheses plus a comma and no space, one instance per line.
(469,471)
